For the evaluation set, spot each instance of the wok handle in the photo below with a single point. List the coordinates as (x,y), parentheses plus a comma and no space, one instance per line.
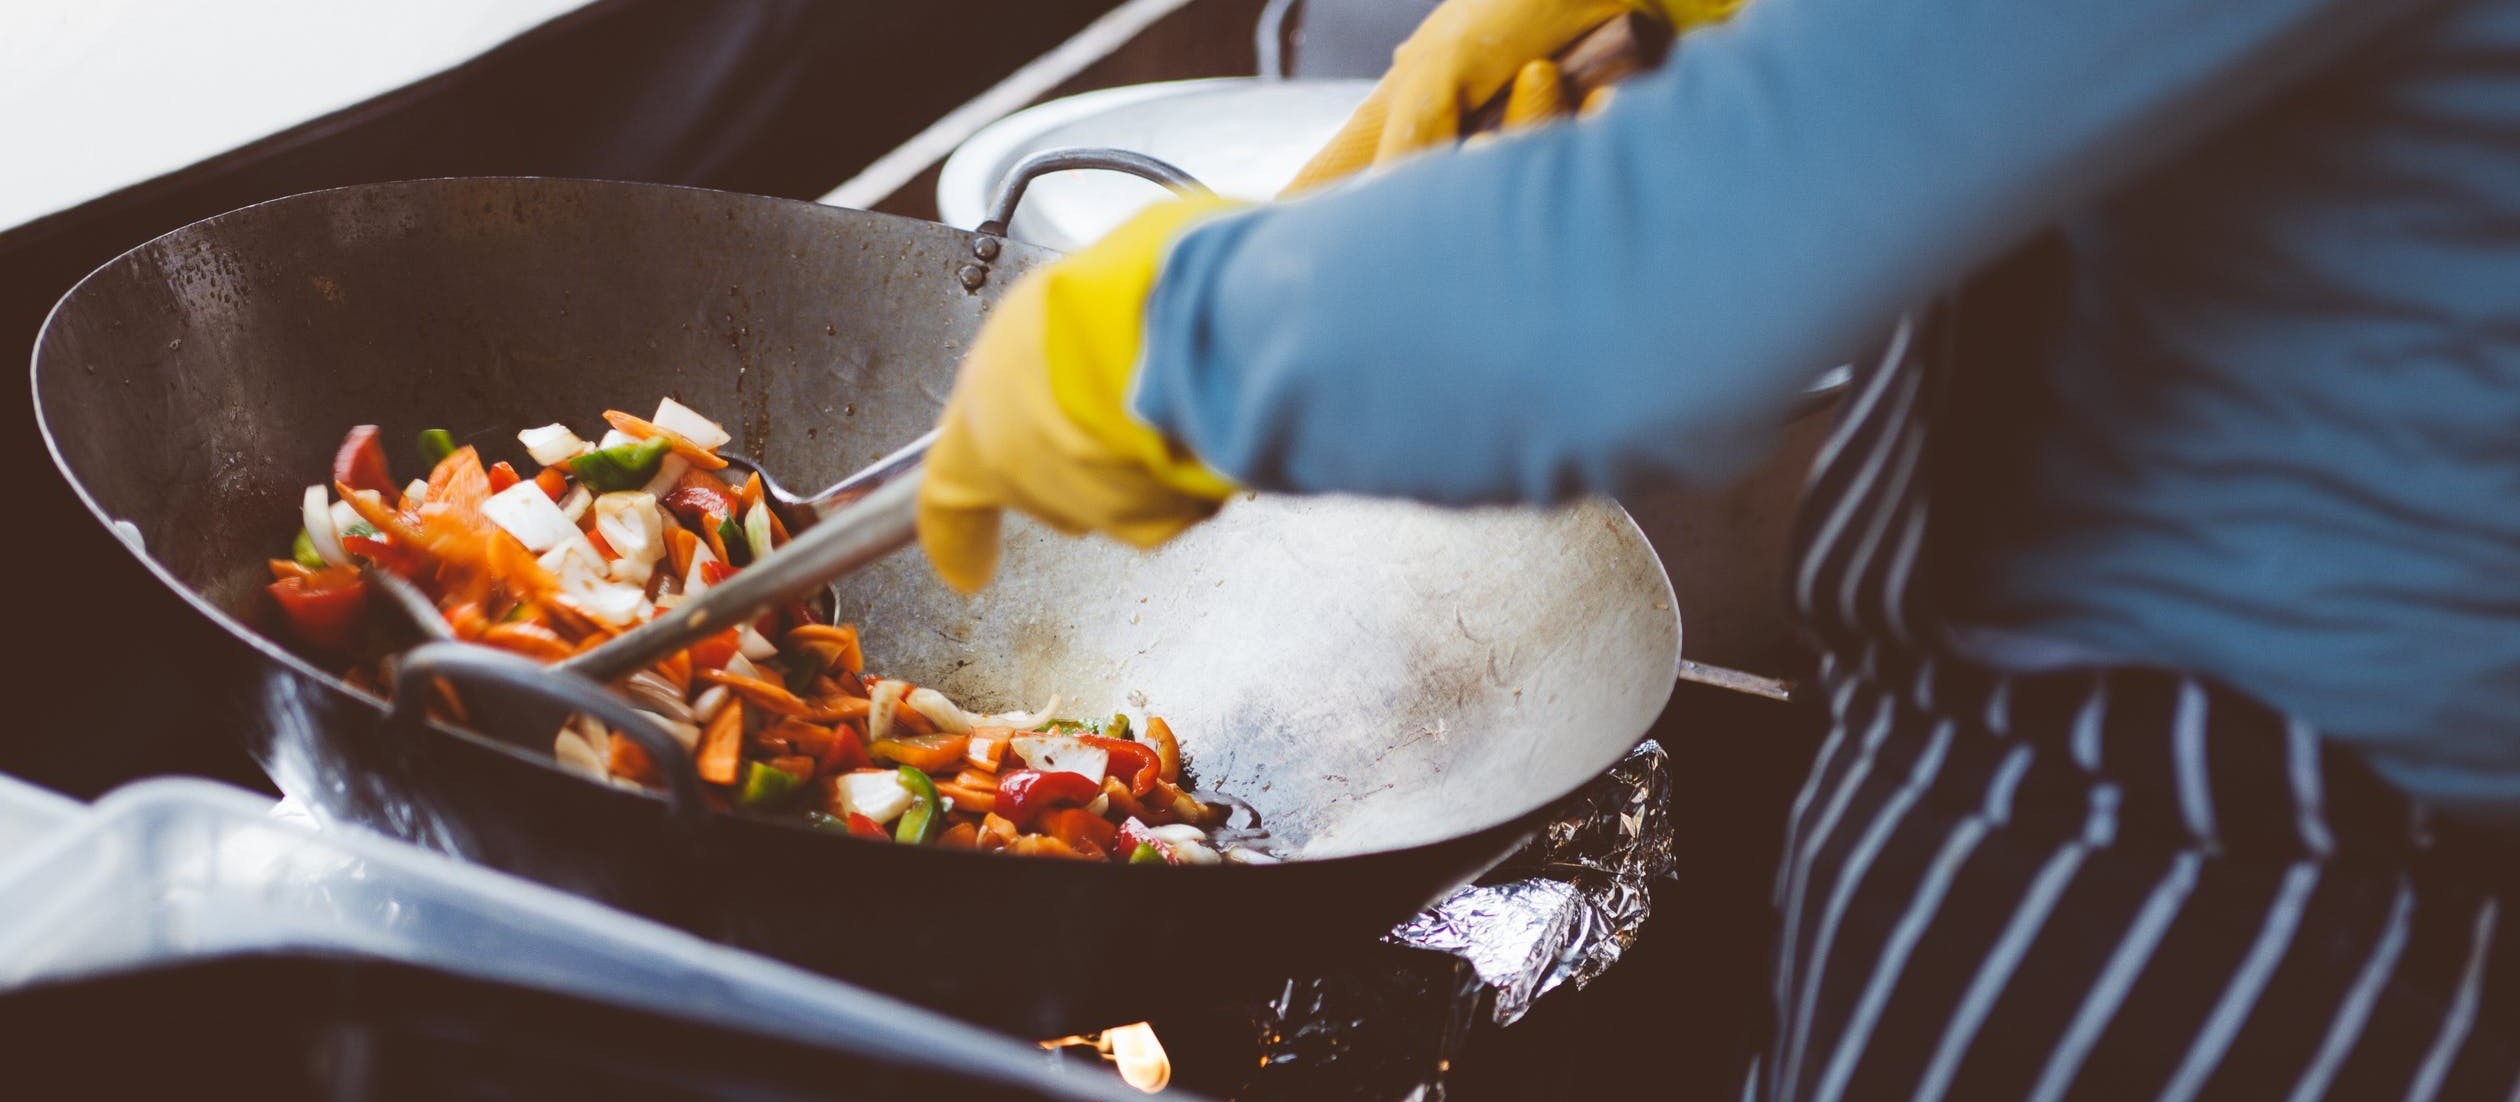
(1020,178)
(471,665)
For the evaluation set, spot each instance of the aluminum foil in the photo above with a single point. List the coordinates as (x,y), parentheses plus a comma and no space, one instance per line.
(1565,907)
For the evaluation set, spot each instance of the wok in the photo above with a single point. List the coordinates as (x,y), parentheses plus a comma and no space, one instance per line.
(1399,691)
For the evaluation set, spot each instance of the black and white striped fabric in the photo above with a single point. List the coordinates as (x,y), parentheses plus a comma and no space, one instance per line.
(2122,883)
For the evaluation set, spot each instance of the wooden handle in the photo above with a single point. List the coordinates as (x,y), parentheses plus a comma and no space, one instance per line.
(1606,55)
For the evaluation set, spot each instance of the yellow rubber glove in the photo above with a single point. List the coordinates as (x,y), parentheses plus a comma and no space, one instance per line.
(1460,57)
(1039,417)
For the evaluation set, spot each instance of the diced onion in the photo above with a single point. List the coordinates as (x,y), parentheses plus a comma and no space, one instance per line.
(876,795)
(705,706)
(552,444)
(1021,721)
(669,473)
(575,754)
(527,514)
(632,525)
(614,438)
(686,734)
(316,510)
(753,644)
(757,528)
(694,583)
(882,701)
(416,493)
(939,710)
(1245,855)
(1061,754)
(575,503)
(687,423)
(741,666)
(1188,844)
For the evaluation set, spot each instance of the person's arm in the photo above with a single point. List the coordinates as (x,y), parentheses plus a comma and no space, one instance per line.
(1643,294)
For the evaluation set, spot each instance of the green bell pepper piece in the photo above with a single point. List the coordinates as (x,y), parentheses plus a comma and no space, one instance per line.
(621,466)
(1146,854)
(765,787)
(920,824)
(1118,727)
(738,549)
(435,446)
(303,550)
(824,820)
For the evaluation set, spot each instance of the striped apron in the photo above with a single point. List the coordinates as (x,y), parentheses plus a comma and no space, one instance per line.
(2107,883)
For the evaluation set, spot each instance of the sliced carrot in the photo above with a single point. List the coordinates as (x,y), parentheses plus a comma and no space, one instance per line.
(750,495)
(841,640)
(794,765)
(1082,830)
(1128,806)
(284,569)
(679,545)
(676,668)
(529,639)
(641,428)
(768,696)
(468,620)
(968,799)
(910,719)
(778,529)
(717,540)
(720,754)
(960,836)
(603,547)
(976,780)
(628,760)
(502,476)
(554,483)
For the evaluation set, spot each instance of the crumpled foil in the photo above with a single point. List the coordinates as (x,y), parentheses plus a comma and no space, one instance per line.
(1560,911)
(1566,906)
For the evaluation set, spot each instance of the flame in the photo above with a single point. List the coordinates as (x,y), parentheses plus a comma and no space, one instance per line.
(1141,1057)
(1134,1048)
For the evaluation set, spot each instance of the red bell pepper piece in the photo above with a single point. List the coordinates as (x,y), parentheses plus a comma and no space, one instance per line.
(503,476)
(714,652)
(1025,794)
(715,571)
(1134,763)
(360,463)
(701,505)
(864,827)
(324,609)
(846,752)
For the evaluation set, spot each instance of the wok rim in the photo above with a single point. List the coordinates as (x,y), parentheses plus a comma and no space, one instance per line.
(1513,825)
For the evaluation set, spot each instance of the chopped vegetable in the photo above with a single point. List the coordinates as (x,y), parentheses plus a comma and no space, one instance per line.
(721,746)
(766,787)
(757,530)
(877,794)
(526,513)
(324,608)
(360,462)
(302,551)
(435,446)
(919,824)
(620,467)
(1132,762)
(1146,854)
(936,752)
(1062,754)
(1118,727)
(553,444)
(686,422)
(1025,794)
(316,511)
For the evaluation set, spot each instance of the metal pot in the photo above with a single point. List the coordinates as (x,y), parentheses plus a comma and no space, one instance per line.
(1399,691)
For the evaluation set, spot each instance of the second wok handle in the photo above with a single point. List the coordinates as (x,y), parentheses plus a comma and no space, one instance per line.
(1020,178)
(855,534)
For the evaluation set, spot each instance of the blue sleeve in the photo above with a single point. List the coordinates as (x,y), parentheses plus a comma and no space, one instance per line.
(1641,295)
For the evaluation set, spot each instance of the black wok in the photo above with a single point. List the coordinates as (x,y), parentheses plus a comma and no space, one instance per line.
(1398,690)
